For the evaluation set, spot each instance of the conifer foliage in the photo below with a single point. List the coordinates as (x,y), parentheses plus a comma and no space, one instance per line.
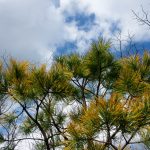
(93,101)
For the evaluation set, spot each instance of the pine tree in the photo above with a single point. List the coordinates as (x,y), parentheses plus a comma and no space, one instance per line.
(93,101)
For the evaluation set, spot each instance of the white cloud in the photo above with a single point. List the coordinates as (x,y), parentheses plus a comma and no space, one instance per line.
(32,29)
(29,28)
(108,12)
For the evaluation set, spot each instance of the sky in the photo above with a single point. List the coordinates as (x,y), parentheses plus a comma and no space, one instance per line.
(37,30)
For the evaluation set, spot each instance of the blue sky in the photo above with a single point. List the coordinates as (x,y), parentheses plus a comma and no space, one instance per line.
(36,30)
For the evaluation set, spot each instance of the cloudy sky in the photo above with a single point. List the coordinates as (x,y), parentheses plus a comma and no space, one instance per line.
(36,30)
